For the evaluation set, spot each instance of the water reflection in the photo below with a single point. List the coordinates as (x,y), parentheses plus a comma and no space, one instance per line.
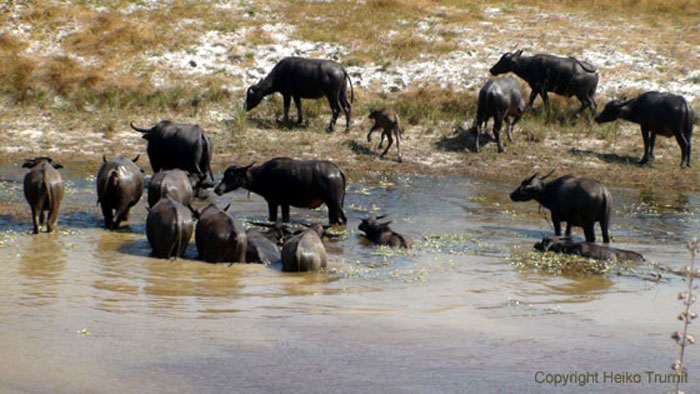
(42,262)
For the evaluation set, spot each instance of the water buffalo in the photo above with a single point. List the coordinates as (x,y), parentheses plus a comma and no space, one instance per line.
(173,184)
(119,187)
(184,146)
(285,182)
(43,190)
(577,201)
(305,251)
(276,232)
(297,77)
(657,113)
(589,250)
(169,228)
(220,236)
(260,248)
(499,99)
(381,234)
(566,76)
(390,124)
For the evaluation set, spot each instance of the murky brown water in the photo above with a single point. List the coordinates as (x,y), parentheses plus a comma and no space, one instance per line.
(453,316)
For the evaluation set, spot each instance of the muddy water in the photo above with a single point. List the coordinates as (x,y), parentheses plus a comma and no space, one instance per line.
(87,310)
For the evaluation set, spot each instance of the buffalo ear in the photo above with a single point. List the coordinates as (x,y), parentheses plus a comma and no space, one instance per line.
(249,167)
(28,163)
(57,165)
(548,174)
(227,207)
(386,224)
(135,159)
(532,177)
(381,217)
(104,158)
(518,53)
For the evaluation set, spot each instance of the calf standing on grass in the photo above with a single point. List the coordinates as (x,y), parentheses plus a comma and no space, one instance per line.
(499,99)
(390,124)
(657,113)
(43,189)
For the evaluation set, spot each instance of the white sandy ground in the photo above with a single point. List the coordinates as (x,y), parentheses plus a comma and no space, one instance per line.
(622,64)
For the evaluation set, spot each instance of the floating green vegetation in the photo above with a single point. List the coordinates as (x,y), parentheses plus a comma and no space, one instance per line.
(8,238)
(388,251)
(452,243)
(563,264)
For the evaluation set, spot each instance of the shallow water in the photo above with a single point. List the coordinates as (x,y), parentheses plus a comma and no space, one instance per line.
(85,309)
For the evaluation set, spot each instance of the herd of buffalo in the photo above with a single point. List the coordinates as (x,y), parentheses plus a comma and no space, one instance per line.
(180,156)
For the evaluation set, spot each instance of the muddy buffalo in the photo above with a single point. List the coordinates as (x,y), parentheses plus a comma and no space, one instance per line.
(220,236)
(169,227)
(566,76)
(664,114)
(305,251)
(173,184)
(184,146)
(297,78)
(119,187)
(589,250)
(43,190)
(502,100)
(579,202)
(289,182)
(379,233)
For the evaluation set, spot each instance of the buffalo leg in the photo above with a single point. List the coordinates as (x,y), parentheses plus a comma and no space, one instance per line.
(381,139)
(285,212)
(335,109)
(479,124)
(297,103)
(497,124)
(645,137)
(513,122)
(107,213)
(568,229)
(51,220)
(121,215)
(652,143)
(604,229)
(35,220)
(533,96)
(545,98)
(272,211)
(683,144)
(588,232)
(347,109)
(372,130)
(287,101)
(398,144)
(41,218)
(557,225)
(335,213)
(391,141)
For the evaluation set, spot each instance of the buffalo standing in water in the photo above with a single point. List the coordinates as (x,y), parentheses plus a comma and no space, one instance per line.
(297,77)
(43,190)
(173,184)
(566,76)
(657,113)
(578,201)
(169,228)
(220,236)
(184,146)
(285,182)
(119,187)
(305,251)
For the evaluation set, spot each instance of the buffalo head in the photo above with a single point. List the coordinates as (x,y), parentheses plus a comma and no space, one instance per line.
(506,62)
(253,96)
(372,224)
(29,163)
(530,188)
(611,111)
(234,177)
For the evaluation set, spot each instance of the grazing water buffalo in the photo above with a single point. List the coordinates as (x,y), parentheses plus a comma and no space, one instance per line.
(261,249)
(657,113)
(285,182)
(381,234)
(187,147)
(305,251)
(220,236)
(566,76)
(297,77)
(577,201)
(169,228)
(390,124)
(119,187)
(499,99)
(43,190)
(173,184)
(586,249)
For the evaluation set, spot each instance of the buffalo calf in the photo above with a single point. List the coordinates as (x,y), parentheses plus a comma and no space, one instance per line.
(43,190)
(380,233)
(305,251)
(169,228)
(499,99)
(220,236)
(588,250)
(390,124)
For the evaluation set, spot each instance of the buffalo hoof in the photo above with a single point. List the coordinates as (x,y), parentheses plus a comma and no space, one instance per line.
(400,160)
(329,130)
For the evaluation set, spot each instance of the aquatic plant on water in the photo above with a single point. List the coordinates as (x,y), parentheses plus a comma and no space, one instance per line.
(686,316)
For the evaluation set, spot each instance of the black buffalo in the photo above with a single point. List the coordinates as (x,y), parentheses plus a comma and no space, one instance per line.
(589,250)
(184,146)
(297,77)
(220,236)
(566,76)
(119,187)
(169,227)
(173,184)
(657,113)
(577,201)
(260,248)
(43,190)
(284,182)
(305,251)
(499,99)
(380,234)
